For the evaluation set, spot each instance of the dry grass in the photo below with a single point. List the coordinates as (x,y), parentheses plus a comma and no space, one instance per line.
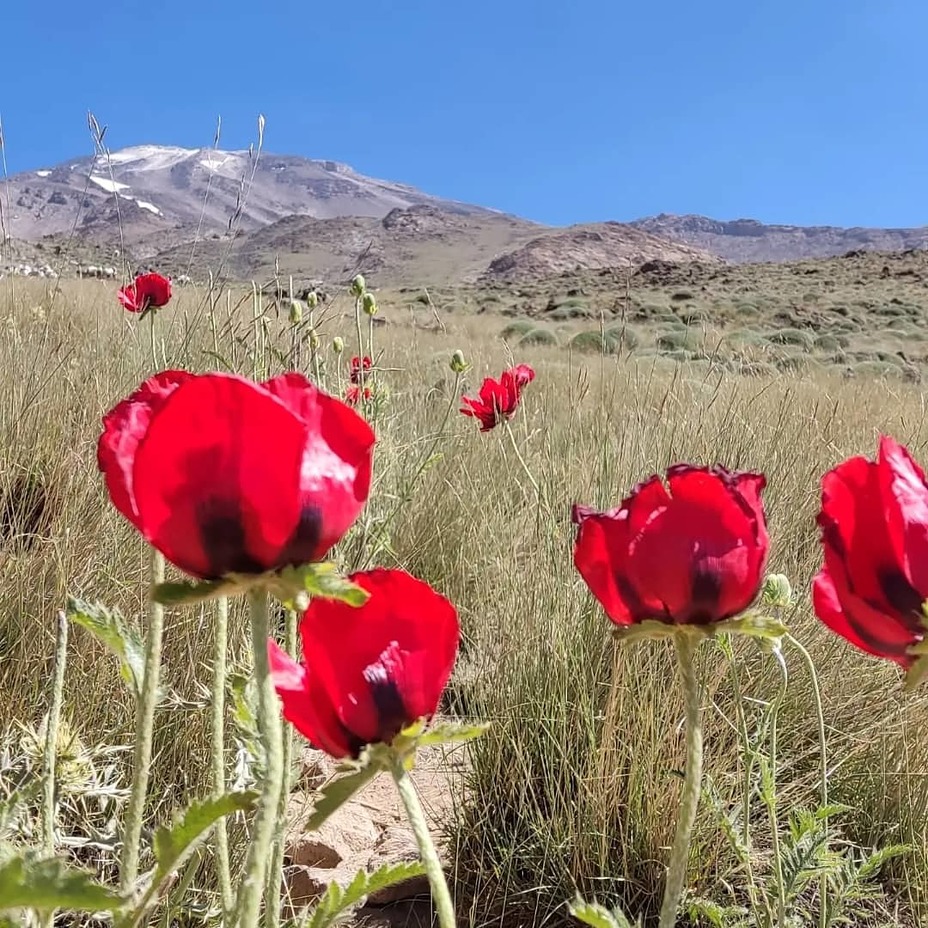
(571,788)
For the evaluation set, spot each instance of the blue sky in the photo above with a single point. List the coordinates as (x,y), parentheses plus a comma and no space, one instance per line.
(800,111)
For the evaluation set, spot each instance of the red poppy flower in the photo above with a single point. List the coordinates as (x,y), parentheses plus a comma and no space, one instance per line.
(370,671)
(223,475)
(524,374)
(353,394)
(148,292)
(690,553)
(357,365)
(874,521)
(498,399)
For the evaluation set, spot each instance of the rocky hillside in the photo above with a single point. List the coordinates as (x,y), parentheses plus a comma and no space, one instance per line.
(747,240)
(590,247)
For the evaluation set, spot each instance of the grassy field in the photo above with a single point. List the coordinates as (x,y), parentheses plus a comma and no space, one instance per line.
(575,786)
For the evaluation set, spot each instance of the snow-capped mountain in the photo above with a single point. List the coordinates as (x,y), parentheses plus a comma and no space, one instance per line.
(160,193)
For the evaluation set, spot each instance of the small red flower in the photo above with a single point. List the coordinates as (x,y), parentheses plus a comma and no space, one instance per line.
(370,671)
(691,556)
(874,521)
(148,292)
(353,394)
(357,365)
(498,399)
(223,475)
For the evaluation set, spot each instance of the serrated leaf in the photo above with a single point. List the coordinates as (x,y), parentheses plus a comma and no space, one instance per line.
(186,592)
(293,584)
(598,916)
(173,844)
(49,884)
(452,732)
(119,638)
(336,901)
(338,791)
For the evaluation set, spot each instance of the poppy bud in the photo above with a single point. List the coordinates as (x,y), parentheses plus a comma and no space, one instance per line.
(358,285)
(776,591)
(338,344)
(368,303)
(296,312)
(458,363)
(312,299)
(313,339)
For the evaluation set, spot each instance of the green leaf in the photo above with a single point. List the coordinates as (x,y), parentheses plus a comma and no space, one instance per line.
(335,901)
(185,592)
(598,916)
(49,884)
(452,732)
(173,844)
(337,792)
(111,630)
(293,584)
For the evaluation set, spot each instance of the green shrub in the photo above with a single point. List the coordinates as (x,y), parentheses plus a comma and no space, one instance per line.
(798,337)
(593,343)
(829,342)
(623,337)
(516,330)
(682,296)
(538,337)
(674,341)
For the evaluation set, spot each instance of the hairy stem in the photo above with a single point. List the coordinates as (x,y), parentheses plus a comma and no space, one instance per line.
(51,746)
(692,783)
(823,763)
(771,800)
(218,742)
(248,904)
(275,874)
(144,727)
(440,892)
(51,735)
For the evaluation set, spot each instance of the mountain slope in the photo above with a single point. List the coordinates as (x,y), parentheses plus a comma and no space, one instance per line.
(162,193)
(747,240)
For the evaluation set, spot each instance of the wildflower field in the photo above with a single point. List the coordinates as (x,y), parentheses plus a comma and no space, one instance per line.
(593,639)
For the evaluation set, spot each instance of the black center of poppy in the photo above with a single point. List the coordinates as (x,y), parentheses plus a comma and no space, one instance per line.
(302,546)
(899,593)
(705,589)
(222,533)
(392,716)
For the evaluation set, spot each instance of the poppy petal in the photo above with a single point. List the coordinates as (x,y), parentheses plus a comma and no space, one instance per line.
(209,495)
(305,705)
(124,426)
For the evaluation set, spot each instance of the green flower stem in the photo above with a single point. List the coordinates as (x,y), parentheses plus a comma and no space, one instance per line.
(772,799)
(275,874)
(51,746)
(144,726)
(440,892)
(823,758)
(748,775)
(248,903)
(357,319)
(51,735)
(518,454)
(692,784)
(218,741)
